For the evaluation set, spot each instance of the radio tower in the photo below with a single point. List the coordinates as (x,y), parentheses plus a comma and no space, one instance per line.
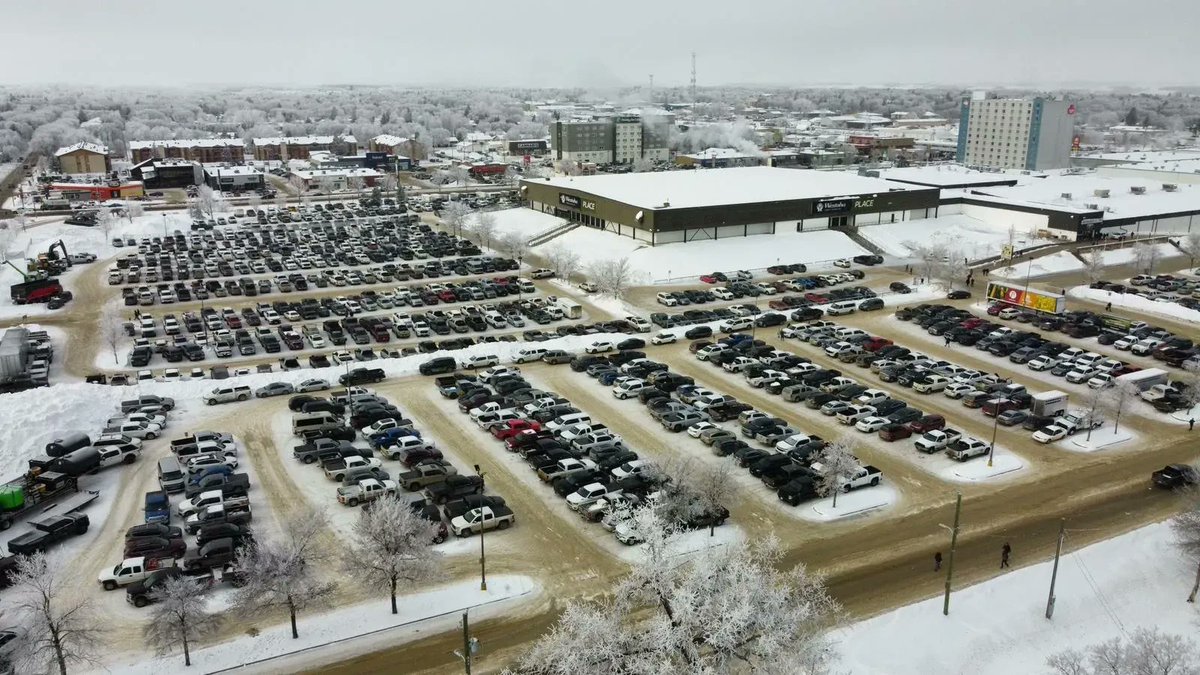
(650,97)
(693,77)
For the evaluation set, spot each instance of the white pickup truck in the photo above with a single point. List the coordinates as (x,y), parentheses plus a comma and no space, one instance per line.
(966,448)
(863,476)
(485,518)
(936,440)
(365,491)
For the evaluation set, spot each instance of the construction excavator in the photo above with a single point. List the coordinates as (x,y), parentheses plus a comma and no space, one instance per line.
(50,263)
(38,284)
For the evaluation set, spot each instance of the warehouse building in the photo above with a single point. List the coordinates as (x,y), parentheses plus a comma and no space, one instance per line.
(678,206)
(234,178)
(159,174)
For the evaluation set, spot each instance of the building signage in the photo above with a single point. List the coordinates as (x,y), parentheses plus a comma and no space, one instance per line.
(1096,220)
(1040,301)
(575,202)
(528,145)
(833,207)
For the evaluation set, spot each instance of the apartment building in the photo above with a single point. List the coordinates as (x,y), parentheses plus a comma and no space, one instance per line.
(616,139)
(203,150)
(83,158)
(300,147)
(1001,133)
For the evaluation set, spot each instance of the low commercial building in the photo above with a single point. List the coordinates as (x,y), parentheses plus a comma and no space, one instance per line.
(680,206)
(880,147)
(300,147)
(234,178)
(203,150)
(82,192)
(83,158)
(158,174)
(722,158)
(530,146)
(328,180)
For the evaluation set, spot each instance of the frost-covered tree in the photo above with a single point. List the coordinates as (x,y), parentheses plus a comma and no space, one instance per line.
(929,257)
(700,488)
(951,270)
(1093,266)
(8,237)
(568,167)
(513,245)
(112,328)
(1148,651)
(483,226)
(179,618)
(207,202)
(392,547)
(612,276)
(562,260)
(1190,244)
(455,215)
(133,210)
(1186,527)
(355,183)
(1145,256)
(837,466)
(297,185)
(58,624)
(727,609)
(283,573)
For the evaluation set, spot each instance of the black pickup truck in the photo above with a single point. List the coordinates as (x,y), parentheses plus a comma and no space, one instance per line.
(361,376)
(49,531)
(311,451)
(454,487)
(234,485)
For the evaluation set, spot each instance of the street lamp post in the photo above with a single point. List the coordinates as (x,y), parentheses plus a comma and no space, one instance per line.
(995,428)
(482,556)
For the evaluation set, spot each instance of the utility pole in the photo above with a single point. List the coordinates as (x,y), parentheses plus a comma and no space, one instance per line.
(470,646)
(482,557)
(950,561)
(1062,533)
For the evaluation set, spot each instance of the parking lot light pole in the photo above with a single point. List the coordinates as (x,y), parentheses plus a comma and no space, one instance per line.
(995,428)
(482,556)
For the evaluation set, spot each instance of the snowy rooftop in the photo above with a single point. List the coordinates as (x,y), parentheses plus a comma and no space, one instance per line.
(1121,202)
(1148,157)
(90,147)
(302,140)
(389,139)
(1181,166)
(724,153)
(231,170)
(188,143)
(944,175)
(719,187)
(347,172)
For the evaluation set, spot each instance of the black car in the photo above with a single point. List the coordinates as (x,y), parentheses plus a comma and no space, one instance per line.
(1174,476)
(958,295)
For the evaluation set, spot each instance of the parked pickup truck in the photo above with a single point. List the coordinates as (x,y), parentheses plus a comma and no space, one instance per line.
(458,507)
(158,507)
(772,435)
(216,553)
(365,491)
(590,494)
(49,531)
(447,385)
(141,593)
(335,469)
(863,477)
(936,440)
(454,487)
(189,506)
(361,376)
(478,520)
(212,515)
(232,484)
(566,467)
(309,452)
(966,448)
(202,438)
(130,570)
(425,474)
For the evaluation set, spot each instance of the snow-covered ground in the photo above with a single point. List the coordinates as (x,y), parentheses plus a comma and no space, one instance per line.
(1054,263)
(691,259)
(974,238)
(1136,303)
(525,222)
(74,407)
(850,504)
(1101,439)
(365,619)
(998,627)
(1128,255)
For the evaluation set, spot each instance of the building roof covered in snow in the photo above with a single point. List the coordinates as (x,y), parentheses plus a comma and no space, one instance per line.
(389,139)
(90,147)
(719,187)
(188,143)
(303,140)
(336,172)
(1119,197)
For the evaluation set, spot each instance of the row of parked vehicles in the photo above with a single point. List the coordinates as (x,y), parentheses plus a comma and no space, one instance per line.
(583,460)
(786,459)
(228,333)
(330,427)
(214,508)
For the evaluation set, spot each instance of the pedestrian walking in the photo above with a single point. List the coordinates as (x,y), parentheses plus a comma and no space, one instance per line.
(947,340)
(937,561)
(1108,307)
(1191,423)
(1005,552)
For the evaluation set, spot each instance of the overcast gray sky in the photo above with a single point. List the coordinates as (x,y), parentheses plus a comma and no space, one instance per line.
(599,42)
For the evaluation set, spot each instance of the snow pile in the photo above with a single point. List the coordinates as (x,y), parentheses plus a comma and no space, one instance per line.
(1136,303)
(849,504)
(998,627)
(688,543)
(525,222)
(61,410)
(977,469)
(975,238)
(1099,439)
(1054,263)
(920,293)
(368,621)
(1128,255)
(691,259)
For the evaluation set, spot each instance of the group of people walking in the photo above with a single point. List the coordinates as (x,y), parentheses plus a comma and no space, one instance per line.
(1005,553)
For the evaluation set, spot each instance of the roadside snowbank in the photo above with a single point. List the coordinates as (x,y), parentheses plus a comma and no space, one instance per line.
(31,419)
(998,627)
(1135,302)
(974,238)
(1055,263)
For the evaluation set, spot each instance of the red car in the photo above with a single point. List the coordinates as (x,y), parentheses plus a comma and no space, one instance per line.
(513,427)
(708,279)
(995,308)
(876,343)
(418,455)
(973,322)
(927,423)
(816,298)
(524,438)
(781,303)
(895,432)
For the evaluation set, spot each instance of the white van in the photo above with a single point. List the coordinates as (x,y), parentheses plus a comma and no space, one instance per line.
(567,420)
(311,422)
(841,308)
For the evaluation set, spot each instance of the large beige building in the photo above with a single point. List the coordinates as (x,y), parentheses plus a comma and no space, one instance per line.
(1009,133)
(83,158)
